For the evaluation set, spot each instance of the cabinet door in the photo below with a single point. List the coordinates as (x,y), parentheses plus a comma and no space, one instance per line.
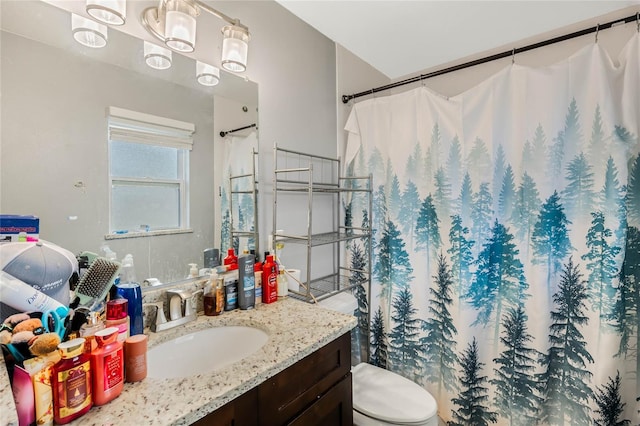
(242,411)
(334,408)
(290,392)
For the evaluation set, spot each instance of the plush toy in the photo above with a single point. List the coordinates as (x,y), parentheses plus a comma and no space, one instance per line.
(25,331)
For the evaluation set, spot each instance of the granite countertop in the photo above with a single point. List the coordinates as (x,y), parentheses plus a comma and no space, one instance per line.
(295,330)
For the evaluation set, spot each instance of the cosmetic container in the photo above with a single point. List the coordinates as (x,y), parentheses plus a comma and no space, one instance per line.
(107,366)
(135,358)
(117,317)
(71,382)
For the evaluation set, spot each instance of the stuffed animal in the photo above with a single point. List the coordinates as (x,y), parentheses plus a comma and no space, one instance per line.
(26,331)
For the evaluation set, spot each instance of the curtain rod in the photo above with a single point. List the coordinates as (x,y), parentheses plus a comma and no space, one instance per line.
(223,133)
(513,52)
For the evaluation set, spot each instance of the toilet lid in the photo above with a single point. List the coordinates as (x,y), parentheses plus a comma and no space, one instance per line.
(387,396)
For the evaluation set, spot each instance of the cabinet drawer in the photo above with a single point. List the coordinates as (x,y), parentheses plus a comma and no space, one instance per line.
(287,394)
(242,411)
(334,408)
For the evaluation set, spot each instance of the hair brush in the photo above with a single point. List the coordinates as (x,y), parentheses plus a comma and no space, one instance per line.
(96,282)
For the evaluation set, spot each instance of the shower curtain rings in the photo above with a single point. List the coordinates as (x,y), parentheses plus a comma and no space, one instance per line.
(513,56)
(597,31)
(638,21)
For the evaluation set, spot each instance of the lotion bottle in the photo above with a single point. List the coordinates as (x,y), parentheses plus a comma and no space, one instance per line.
(71,382)
(107,365)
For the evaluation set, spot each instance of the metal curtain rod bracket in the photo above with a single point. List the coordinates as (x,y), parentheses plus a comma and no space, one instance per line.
(506,54)
(223,133)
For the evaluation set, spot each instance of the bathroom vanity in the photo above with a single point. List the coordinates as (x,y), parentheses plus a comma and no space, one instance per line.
(300,376)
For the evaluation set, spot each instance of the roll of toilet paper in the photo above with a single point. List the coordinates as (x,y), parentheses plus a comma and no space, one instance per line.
(293,276)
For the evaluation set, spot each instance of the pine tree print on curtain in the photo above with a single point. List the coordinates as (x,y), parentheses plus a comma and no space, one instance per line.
(516,396)
(404,348)
(565,381)
(440,358)
(473,397)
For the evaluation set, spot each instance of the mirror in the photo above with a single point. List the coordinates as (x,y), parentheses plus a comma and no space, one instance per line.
(55,94)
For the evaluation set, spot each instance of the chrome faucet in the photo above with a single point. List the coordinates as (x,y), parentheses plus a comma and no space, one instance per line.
(181,310)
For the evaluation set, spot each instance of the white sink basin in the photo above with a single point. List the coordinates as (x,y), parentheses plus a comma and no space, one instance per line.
(203,351)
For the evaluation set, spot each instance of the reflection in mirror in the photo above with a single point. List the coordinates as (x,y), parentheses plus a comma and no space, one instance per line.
(56,96)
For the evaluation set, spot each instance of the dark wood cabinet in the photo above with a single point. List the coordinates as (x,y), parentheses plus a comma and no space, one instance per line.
(315,391)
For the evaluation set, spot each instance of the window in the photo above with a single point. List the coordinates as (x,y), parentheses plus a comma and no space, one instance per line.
(148,172)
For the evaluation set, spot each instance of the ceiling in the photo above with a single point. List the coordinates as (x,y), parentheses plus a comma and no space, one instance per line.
(406,37)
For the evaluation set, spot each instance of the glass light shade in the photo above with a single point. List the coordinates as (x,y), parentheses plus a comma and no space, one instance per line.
(206,74)
(112,12)
(235,48)
(157,57)
(87,32)
(180,26)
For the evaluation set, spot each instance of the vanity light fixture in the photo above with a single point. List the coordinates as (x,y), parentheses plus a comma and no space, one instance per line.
(112,12)
(206,74)
(87,32)
(174,23)
(180,25)
(235,48)
(156,56)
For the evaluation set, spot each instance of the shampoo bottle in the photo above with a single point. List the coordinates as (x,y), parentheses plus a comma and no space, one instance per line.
(246,282)
(269,280)
(71,382)
(107,365)
(231,258)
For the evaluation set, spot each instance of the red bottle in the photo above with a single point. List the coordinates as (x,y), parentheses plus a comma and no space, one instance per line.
(107,365)
(71,382)
(231,258)
(269,280)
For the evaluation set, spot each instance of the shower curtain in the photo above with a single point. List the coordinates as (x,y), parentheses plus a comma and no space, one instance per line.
(506,241)
(238,160)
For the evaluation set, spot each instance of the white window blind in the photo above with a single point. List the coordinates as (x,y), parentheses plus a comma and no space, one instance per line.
(132,126)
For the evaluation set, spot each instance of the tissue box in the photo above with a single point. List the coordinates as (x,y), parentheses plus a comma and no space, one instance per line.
(17,228)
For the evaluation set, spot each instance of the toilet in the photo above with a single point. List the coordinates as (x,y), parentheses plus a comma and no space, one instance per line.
(381,397)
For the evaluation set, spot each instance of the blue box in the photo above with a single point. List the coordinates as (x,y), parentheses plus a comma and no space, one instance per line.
(13,226)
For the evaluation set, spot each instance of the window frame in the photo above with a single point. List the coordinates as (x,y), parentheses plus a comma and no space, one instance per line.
(125,126)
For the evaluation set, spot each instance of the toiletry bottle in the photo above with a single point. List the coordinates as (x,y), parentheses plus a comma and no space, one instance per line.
(130,289)
(231,288)
(209,298)
(107,366)
(257,272)
(89,329)
(231,257)
(117,317)
(246,282)
(135,358)
(71,382)
(283,284)
(219,295)
(269,281)
(193,270)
